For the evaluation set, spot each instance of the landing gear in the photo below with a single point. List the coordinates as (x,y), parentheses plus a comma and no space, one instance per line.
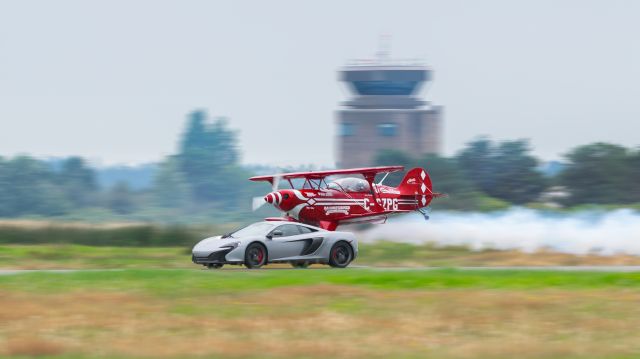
(424,213)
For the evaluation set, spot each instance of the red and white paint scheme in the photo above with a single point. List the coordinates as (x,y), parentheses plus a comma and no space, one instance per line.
(315,200)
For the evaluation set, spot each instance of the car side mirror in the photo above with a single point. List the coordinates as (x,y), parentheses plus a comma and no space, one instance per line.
(274,234)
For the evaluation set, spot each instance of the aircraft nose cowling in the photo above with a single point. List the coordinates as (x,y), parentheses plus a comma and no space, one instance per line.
(269,198)
(275,198)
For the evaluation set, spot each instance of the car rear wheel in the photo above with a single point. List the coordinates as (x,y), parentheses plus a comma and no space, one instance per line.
(304,264)
(341,255)
(255,256)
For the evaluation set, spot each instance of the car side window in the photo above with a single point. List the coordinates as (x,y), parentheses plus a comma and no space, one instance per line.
(288,230)
(305,230)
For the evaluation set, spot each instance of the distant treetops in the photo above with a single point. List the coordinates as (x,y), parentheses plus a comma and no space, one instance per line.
(598,173)
(205,176)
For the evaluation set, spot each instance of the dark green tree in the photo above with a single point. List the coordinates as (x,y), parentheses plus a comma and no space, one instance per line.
(506,171)
(170,189)
(5,196)
(27,186)
(208,158)
(78,182)
(634,178)
(516,177)
(600,173)
(477,162)
(120,199)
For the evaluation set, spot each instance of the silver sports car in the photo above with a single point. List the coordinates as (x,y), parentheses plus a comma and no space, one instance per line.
(277,242)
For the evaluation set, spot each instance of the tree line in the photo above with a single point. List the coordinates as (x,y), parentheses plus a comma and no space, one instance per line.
(487,174)
(205,178)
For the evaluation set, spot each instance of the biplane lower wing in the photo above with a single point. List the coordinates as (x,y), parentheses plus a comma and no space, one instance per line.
(362,218)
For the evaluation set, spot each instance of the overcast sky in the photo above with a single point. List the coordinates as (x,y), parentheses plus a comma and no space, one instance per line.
(113,80)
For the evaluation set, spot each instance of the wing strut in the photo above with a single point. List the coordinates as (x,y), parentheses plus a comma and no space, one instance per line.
(370,177)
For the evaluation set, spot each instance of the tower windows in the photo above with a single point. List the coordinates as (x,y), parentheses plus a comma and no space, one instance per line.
(387,129)
(347,129)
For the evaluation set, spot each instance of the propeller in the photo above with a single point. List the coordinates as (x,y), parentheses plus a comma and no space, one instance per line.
(276,182)
(258,202)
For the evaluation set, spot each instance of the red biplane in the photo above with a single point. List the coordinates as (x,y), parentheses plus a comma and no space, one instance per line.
(317,200)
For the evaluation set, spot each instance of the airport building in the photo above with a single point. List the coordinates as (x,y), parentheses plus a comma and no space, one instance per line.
(385,112)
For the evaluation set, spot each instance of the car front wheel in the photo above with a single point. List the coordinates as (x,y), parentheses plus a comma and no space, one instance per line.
(341,255)
(255,256)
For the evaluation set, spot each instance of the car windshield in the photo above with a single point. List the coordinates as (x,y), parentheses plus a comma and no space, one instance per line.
(256,229)
(349,184)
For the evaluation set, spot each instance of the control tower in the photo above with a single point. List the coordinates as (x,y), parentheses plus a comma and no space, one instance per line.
(385,112)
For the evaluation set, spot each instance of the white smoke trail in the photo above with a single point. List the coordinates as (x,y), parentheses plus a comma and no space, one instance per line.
(527,230)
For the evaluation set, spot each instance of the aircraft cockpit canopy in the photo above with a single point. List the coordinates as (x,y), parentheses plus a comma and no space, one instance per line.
(349,184)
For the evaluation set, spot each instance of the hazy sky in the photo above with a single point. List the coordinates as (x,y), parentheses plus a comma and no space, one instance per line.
(113,80)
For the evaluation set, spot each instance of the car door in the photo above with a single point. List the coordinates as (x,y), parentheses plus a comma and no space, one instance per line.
(289,243)
(313,240)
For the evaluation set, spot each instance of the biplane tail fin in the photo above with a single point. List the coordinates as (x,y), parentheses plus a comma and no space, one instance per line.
(418,183)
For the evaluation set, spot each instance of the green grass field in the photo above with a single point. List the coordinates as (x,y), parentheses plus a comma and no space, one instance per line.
(320,313)
(139,295)
(202,281)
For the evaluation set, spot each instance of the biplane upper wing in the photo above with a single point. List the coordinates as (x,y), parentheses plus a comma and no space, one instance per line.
(365,171)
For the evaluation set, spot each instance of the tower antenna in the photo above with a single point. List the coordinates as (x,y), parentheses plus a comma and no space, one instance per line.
(384,48)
